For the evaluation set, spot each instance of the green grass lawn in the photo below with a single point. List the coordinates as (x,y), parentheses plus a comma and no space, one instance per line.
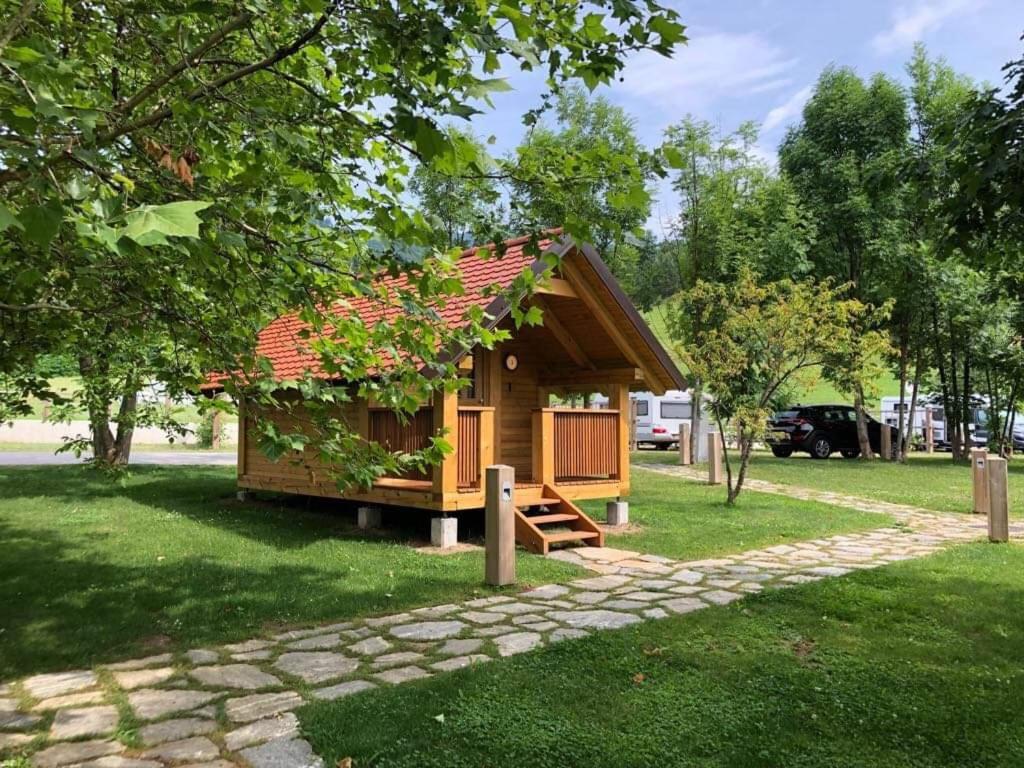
(932,482)
(680,519)
(917,664)
(94,571)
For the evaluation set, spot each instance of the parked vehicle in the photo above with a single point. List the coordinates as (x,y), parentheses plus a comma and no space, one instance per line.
(660,417)
(977,428)
(821,430)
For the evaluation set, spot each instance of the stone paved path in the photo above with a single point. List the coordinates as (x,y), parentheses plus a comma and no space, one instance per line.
(233,705)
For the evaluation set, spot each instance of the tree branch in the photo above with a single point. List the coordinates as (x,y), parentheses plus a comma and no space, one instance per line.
(284,52)
(190,59)
(19,19)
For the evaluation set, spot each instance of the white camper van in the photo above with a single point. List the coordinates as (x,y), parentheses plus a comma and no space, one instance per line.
(658,418)
(932,403)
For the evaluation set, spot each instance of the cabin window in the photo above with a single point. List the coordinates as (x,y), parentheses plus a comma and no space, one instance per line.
(642,408)
(676,411)
(471,372)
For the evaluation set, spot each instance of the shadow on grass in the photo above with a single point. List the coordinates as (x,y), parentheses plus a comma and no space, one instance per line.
(92,571)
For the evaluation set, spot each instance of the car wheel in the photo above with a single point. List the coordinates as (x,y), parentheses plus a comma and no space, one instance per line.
(781,451)
(851,454)
(664,446)
(821,448)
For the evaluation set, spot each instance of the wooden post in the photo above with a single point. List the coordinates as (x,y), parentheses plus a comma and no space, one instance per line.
(979,480)
(885,440)
(446,474)
(999,501)
(618,399)
(929,431)
(714,458)
(242,429)
(47,408)
(500,525)
(215,428)
(685,459)
(632,425)
(486,440)
(544,446)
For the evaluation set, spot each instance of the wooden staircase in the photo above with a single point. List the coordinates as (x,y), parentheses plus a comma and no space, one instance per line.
(554,520)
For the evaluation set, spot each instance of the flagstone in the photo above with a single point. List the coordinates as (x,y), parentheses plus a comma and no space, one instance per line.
(248,645)
(284,726)
(589,598)
(567,634)
(149,661)
(152,703)
(547,592)
(604,554)
(244,709)
(175,730)
(684,604)
(387,621)
(687,576)
(540,626)
(12,720)
(494,630)
(74,752)
(118,761)
(428,630)
(483,602)
(655,613)
(526,618)
(601,582)
(14,740)
(77,722)
(596,619)
(459,662)
(517,642)
(202,656)
(514,609)
(623,605)
(316,642)
(332,692)
(242,676)
(282,753)
(460,647)
(483,617)
(195,749)
(371,646)
(316,666)
(142,678)
(391,659)
(58,683)
(402,675)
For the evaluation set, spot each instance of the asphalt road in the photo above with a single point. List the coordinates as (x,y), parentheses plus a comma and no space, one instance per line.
(182,458)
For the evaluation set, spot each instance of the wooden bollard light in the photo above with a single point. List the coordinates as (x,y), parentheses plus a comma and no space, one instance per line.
(998,501)
(714,458)
(684,445)
(979,480)
(500,526)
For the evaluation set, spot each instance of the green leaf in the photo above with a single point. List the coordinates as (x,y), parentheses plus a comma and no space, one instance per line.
(42,222)
(146,224)
(8,219)
(673,156)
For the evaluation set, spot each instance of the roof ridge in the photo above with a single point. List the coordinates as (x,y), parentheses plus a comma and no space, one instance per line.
(512,242)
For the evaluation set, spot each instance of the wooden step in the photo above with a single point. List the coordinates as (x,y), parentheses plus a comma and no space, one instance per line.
(547,503)
(552,518)
(554,538)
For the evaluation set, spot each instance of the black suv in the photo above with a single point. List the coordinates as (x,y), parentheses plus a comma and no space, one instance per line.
(821,429)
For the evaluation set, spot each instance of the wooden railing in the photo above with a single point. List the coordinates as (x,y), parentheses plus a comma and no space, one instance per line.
(402,437)
(575,444)
(474,444)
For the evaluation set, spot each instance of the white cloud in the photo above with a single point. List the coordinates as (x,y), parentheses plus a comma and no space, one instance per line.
(711,66)
(911,23)
(787,110)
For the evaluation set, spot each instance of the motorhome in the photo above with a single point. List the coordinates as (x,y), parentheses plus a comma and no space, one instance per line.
(659,418)
(929,406)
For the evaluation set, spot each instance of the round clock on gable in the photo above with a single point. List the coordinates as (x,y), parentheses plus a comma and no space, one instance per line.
(511,362)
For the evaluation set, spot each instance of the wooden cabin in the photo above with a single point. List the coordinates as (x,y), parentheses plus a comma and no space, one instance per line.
(592,340)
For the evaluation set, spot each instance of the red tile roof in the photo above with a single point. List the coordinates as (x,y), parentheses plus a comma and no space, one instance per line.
(282,344)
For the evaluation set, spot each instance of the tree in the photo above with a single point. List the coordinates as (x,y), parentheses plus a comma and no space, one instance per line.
(173,177)
(734,213)
(757,337)
(593,145)
(462,207)
(844,160)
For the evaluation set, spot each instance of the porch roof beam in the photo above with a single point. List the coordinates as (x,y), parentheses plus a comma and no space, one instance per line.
(556,286)
(559,331)
(570,380)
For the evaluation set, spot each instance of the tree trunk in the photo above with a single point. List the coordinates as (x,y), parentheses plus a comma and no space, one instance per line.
(108,449)
(913,408)
(746,444)
(901,421)
(940,359)
(862,424)
(696,399)
(965,408)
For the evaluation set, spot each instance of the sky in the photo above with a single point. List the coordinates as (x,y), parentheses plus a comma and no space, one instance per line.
(759,59)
